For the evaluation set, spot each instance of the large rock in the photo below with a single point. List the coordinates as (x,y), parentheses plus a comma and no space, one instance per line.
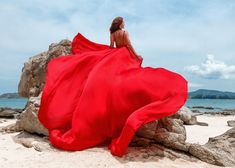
(33,73)
(219,150)
(167,131)
(28,120)
(171,133)
(31,85)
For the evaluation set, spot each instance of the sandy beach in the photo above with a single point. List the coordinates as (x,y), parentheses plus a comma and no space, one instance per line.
(15,155)
(217,124)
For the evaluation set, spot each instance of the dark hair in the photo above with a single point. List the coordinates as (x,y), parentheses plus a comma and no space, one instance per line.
(115,24)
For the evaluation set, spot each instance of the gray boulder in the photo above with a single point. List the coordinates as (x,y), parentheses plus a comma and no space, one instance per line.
(33,74)
(28,120)
(189,118)
(31,85)
(219,150)
(7,112)
(231,123)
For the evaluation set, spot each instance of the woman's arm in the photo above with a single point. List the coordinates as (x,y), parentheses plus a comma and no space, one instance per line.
(129,45)
(111,41)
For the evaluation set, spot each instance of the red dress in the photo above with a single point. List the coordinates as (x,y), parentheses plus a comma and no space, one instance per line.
(100,94)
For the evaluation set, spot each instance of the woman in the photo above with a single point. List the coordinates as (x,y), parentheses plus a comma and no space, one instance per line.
(120,36)
(99,94)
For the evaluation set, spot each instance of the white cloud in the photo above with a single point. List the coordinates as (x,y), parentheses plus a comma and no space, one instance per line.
(212,69)
(195,85)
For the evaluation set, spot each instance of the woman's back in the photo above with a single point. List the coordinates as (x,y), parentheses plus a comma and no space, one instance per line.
(119,38)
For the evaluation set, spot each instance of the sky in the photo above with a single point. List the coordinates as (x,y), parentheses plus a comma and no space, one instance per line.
(195,38)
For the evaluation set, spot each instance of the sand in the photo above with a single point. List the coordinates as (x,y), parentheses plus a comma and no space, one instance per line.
(14,155)
(200,134)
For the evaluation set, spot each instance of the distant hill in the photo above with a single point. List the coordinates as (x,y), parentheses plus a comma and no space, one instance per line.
(210,94)
(9,96)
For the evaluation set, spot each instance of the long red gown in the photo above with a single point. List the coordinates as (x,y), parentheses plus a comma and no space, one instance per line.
(99,93)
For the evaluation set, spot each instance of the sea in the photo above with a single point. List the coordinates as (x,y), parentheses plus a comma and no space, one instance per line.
(13,103)
(202,105)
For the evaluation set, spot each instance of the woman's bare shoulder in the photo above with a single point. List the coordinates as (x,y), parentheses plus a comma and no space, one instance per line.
(126,32)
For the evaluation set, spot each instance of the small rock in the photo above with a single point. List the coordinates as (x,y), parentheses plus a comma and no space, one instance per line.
(188,117)
(231,123)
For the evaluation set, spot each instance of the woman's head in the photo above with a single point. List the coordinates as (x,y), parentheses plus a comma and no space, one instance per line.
(118,23)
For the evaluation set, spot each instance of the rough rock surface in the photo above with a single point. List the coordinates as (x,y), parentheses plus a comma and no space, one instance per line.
(219,150)
(171,132)
(32,82)
(6,112)
(28,140)
(231,123)
(33,73)
(186,115)
(167,131)
(28,120)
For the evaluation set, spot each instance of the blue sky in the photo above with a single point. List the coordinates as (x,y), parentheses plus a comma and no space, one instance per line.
(195,38)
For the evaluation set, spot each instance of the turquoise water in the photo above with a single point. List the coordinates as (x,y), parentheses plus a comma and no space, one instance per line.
(217,104)
(13,103)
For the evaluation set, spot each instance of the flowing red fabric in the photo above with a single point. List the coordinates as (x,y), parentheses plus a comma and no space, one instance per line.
(100,94)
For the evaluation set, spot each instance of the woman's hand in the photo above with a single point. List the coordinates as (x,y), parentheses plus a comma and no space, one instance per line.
(140,57)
